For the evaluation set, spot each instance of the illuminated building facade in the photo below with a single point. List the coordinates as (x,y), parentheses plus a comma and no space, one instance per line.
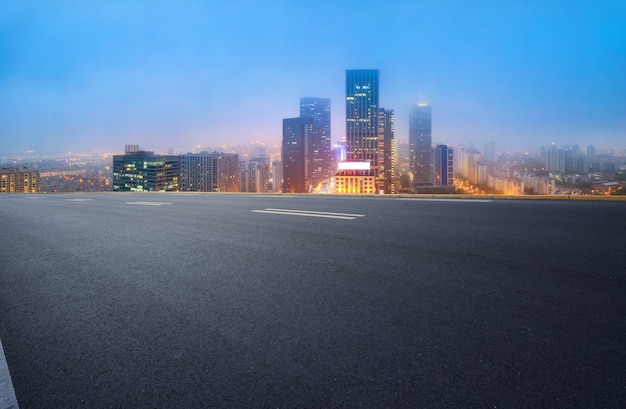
(420,141)
(386,151)
(14,180)
(143,171)
(355,177)
(362,117)
(319,151)
(209,172)
(296,154)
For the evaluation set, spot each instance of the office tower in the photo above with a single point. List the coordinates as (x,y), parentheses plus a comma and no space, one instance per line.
(386,153)
(143,171)
(362,117)
(209,172)
(15,180)
(420,140)
(318,109)
(443,165)
(296,154)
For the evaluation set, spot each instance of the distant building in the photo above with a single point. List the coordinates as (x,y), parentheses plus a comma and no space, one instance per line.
(243,175)
(143,171)
(259,174)
(277,176)
(420,142)
(14,180)
(403,156)
(591,157)
(209,172)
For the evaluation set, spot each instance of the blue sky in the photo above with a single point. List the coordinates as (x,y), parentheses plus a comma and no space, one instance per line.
(82,76)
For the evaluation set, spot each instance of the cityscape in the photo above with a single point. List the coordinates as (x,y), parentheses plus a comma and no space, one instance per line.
(327,204)
(367,159)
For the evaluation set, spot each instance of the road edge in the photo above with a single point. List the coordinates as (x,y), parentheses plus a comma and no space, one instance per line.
(7,393)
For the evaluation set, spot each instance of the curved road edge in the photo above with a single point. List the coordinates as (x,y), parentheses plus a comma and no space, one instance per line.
(7,393)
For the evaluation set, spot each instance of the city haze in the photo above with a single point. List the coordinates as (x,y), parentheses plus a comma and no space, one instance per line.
(84,77)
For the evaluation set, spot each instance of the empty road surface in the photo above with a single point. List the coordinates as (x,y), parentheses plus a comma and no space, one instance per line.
(215,300)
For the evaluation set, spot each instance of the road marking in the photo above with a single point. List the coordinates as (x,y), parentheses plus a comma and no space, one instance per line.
(272,196)
(79,200)
(449,200)
(148,203)
(33,197)
(309,213)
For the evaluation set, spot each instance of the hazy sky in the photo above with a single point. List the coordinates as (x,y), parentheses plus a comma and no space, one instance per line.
(82,75)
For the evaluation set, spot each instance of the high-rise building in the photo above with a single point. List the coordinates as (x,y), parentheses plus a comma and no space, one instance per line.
(143,171)
(443,165)
(362,125)
(296,154)
(209,172)
(420,141)
(15,180)
(320,163)
(386,151)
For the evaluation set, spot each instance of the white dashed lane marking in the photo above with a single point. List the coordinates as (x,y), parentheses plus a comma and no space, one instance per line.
(310,213)
(449,200)
(148,203)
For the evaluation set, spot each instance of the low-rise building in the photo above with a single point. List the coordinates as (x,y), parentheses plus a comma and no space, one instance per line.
(15,180)
(355,177)
(143,171)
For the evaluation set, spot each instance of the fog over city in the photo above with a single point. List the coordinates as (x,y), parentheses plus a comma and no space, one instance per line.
(84,76)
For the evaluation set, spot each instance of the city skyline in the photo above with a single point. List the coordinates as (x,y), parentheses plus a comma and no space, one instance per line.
(93,77)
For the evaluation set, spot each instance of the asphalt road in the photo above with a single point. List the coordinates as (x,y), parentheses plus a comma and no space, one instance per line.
(182,300)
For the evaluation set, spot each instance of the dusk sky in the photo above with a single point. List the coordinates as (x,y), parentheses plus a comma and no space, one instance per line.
(84,76)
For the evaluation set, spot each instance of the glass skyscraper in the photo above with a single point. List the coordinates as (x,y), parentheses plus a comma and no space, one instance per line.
(420,141)
(295,154)
(362,117)
(319,161)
